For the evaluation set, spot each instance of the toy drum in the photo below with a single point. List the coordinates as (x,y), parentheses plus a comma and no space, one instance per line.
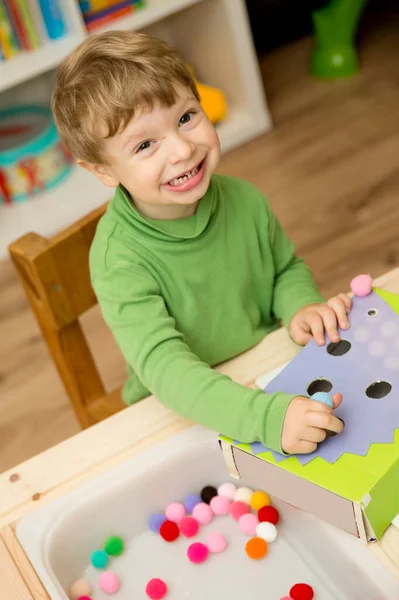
(32,156)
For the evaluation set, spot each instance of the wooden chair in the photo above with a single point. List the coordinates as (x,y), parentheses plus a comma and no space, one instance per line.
(55,276)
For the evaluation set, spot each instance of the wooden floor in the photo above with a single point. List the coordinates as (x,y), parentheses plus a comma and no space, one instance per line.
(331,170)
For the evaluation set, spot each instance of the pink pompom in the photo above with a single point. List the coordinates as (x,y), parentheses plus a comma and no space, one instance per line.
(203,513)
(248,524)
(237,509)
(197,553)
(216,542)
(362,285)
(286,598)
(175,512)
(228,490)
(189,527)
(220,505)
(84,598)
(109,582)
(156,589)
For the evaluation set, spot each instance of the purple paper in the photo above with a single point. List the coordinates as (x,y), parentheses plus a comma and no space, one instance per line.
(373,357)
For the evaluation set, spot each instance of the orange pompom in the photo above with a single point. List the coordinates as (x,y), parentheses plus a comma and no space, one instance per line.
(256,548)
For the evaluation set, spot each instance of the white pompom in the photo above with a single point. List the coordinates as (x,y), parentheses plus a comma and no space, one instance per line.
(243,494)
(267,531)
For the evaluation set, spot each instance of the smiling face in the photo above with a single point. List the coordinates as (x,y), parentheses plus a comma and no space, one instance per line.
(164,157)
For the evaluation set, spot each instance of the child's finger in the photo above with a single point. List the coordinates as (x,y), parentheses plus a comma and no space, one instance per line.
(337,399)
(324,421)
(314,434)
(347,300)
(317,328)
(299,334)
(317,406)
(338,306)
(330,323)
(304,447)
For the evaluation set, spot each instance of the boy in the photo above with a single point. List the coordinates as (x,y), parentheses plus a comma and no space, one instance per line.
(190,268)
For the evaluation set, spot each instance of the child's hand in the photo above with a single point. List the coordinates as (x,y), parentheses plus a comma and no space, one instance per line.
(306,422)
(313,319)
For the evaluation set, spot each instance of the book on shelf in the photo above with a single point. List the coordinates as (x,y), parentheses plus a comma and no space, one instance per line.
(97,13)
(8,39)
(8,44)
(37,17)
(18,23)
(93,6)
(103,20)
(53,18)
(26,24)
(91,15)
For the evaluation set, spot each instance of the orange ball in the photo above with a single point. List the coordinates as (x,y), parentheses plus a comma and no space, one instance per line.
(259,500)
(256,548)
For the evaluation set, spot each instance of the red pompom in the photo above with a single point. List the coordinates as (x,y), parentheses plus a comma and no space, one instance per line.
(156,589)
(302,591)
(269,514)
(169,531)
(189,527)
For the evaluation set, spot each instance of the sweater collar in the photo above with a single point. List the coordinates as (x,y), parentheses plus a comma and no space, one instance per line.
(123,209)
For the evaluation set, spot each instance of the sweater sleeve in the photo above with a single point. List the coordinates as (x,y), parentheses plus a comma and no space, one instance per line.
(151,344)
(294,285)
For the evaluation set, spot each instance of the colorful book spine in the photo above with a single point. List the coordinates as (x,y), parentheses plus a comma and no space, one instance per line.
(28,24)
(37,18)
(18,24)
(16,41)
(102,21)
(8,39)
(92,6)
(110,10)
(53,18)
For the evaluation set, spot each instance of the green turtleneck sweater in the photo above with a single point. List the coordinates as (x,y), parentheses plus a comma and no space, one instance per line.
(183,295)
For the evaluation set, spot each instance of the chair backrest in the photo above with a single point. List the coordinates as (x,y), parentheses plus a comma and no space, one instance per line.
(55,275)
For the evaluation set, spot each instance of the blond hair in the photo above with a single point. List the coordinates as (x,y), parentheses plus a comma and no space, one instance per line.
(105,79)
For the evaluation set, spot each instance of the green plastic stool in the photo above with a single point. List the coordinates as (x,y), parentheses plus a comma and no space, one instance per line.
(334,53)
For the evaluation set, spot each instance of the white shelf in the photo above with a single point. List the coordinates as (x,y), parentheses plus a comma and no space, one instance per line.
(153,11)
(29,64)
(55,209)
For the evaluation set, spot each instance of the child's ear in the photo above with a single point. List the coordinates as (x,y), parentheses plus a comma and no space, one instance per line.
(101,171)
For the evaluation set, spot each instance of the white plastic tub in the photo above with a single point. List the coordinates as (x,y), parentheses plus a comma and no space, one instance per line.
(59,537)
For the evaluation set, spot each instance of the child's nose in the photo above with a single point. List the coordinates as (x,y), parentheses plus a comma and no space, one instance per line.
(180,148)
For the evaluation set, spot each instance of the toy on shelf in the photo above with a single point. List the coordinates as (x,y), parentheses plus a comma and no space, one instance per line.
(334,54)
(213,100)
(351,479)
(32,157)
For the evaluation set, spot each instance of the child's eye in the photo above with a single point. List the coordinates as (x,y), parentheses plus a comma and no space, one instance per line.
(144,146)
(186,117)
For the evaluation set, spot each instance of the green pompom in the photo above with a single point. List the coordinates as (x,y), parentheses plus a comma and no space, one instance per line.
(114,546)
(99,559)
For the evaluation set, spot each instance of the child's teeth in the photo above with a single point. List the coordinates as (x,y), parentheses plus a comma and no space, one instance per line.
(180,180)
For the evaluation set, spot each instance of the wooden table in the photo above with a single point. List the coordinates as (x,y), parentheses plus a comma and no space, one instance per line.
(93,451)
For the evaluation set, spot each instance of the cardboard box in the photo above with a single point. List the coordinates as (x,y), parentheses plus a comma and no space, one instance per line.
(352,479)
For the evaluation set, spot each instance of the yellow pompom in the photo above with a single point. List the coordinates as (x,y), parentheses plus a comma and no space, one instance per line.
(259,500)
